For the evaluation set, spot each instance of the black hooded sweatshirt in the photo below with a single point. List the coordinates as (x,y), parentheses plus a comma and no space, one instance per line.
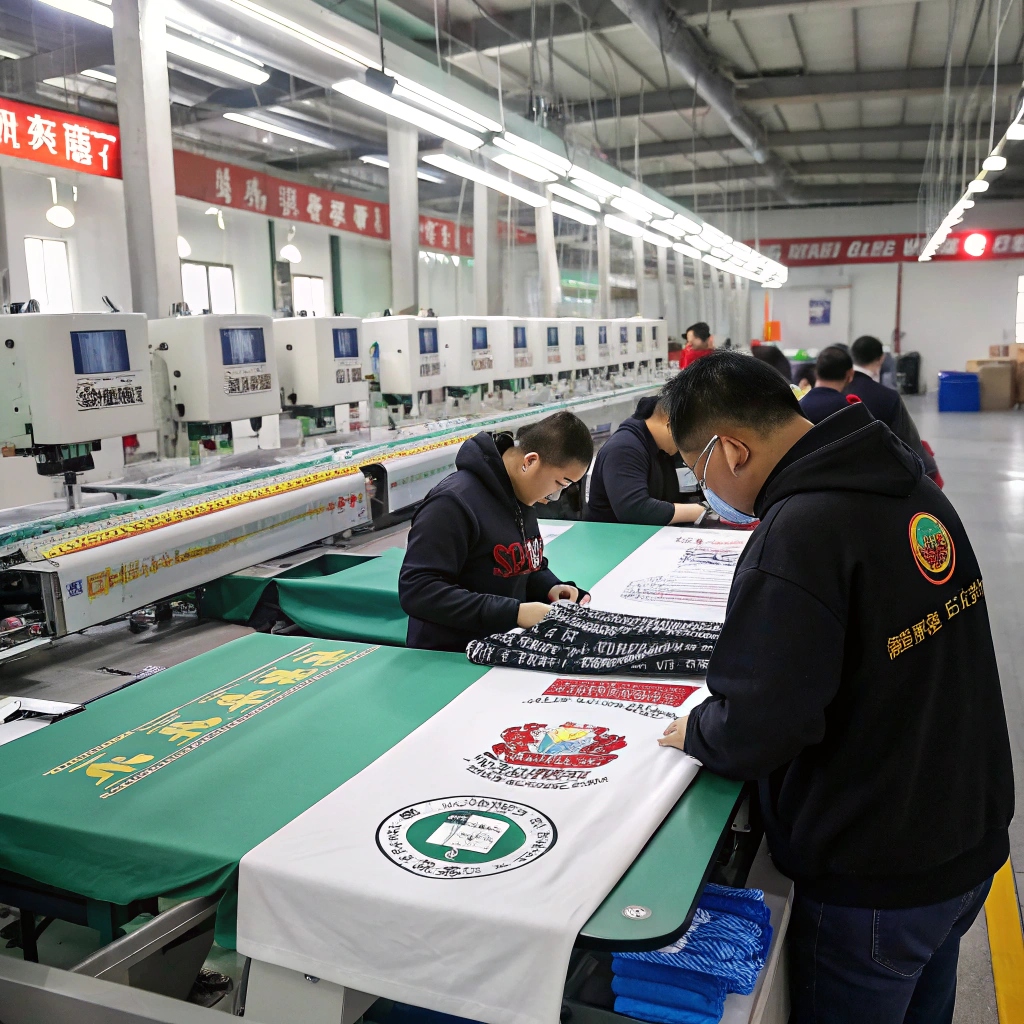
(855,678)
(633,480)
(475,554)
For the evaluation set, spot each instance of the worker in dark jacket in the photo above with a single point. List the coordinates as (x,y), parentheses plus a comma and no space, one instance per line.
(856,680)
(884,403)
(833,371)
(475,560)
(634,478)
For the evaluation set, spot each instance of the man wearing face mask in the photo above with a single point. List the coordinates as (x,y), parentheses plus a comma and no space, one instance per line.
(880,748)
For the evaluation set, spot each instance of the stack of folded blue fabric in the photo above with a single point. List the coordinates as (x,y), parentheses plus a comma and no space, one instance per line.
(723,951)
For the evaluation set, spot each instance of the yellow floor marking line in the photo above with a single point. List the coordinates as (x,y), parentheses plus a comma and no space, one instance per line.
(1006,943)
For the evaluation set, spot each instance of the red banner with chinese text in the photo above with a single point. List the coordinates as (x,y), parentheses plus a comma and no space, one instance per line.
(59,139)
(828,251)
(439,234)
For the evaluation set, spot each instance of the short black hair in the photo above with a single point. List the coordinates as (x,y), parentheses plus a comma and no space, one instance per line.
(558,439)
(833,364)
(726,388)
(701,329)
(805,372)
(773,356)
(866,350)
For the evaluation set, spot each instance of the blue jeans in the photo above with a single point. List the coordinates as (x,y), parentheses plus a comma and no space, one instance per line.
(856,966)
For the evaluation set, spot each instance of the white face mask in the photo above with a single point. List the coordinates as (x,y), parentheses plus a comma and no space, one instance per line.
(719,505)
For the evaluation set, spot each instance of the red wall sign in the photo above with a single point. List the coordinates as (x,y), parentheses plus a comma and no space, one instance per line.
(819,252)
(442,235)
(59,139)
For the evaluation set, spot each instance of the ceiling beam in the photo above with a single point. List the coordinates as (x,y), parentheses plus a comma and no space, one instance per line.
(778,140)
(803,89)
(751,172)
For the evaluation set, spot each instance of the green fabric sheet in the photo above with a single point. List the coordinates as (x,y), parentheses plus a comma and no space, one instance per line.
(260,729)
(361,603)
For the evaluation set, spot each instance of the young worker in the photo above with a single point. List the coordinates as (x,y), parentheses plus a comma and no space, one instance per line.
(699,342)
(634,478)
(880,748)
(833,371)
(475,560)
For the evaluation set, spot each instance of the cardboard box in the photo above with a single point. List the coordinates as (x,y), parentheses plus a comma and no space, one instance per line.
(998,385)
(998,351)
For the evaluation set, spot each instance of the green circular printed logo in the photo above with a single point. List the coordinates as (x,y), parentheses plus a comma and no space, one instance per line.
(465,837)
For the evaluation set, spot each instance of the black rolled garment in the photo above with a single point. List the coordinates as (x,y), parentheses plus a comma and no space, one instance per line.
(633,480)
(856,680)
(475,553)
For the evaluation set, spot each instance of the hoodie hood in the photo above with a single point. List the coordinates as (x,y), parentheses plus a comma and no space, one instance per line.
(482,457)
(848,451)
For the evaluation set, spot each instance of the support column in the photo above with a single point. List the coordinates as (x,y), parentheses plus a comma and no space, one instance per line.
(604,271)
(147,157)
(638,271)
(702,299)
(663,284)
(550,280)
(404,209)
(680,281)
(487,290)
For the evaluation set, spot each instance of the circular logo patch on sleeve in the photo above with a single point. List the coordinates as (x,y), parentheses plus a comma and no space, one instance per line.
(465,837)
(932,547)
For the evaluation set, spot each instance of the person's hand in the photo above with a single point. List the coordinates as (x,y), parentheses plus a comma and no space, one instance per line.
(563,592)
(531,612)
(675,733)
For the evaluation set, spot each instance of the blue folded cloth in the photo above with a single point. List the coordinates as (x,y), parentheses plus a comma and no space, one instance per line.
(662,1014)
(669,995)
(729,939)
(664,974)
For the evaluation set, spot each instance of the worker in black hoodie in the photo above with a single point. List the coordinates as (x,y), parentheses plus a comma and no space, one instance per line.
(475,560)
(634,478)
(879,744)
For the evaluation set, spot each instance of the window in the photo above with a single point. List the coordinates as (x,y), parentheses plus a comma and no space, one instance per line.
(308,295)
(208,287)
(49,279)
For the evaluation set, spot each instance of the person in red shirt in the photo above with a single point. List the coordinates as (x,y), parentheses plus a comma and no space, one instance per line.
(699,342)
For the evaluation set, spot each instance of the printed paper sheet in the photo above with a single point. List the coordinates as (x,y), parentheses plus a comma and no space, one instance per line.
(676,574)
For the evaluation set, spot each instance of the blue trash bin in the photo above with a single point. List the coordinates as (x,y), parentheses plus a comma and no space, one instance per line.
(959,392)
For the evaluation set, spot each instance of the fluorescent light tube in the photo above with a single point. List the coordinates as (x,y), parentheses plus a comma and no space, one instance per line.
(524,167)
(297,31)
(994,163)
(631,209)
(474,173)
(98,13)
(538,154)
(100,76)
(655,239)
(713,235)
(420,118)
(639,199)
(382,161)
(624,227)
(670,227)
(691,227)
(577,197)
(687,250)
(564,210)
(592,183)
(208,58)
(978,185)
(274,129)
(405,89)
(699,243)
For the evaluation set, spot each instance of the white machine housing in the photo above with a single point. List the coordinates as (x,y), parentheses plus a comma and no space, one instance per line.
(659,342)
(623,341)
(640,334)
(468,347)
(75,377)
(404,353)
(553,343)
(221,366)
(585,344)
(320,360)
(606,344)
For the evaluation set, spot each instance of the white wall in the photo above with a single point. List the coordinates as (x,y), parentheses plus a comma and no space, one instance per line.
(97,244)
(951,311)
(365,275)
